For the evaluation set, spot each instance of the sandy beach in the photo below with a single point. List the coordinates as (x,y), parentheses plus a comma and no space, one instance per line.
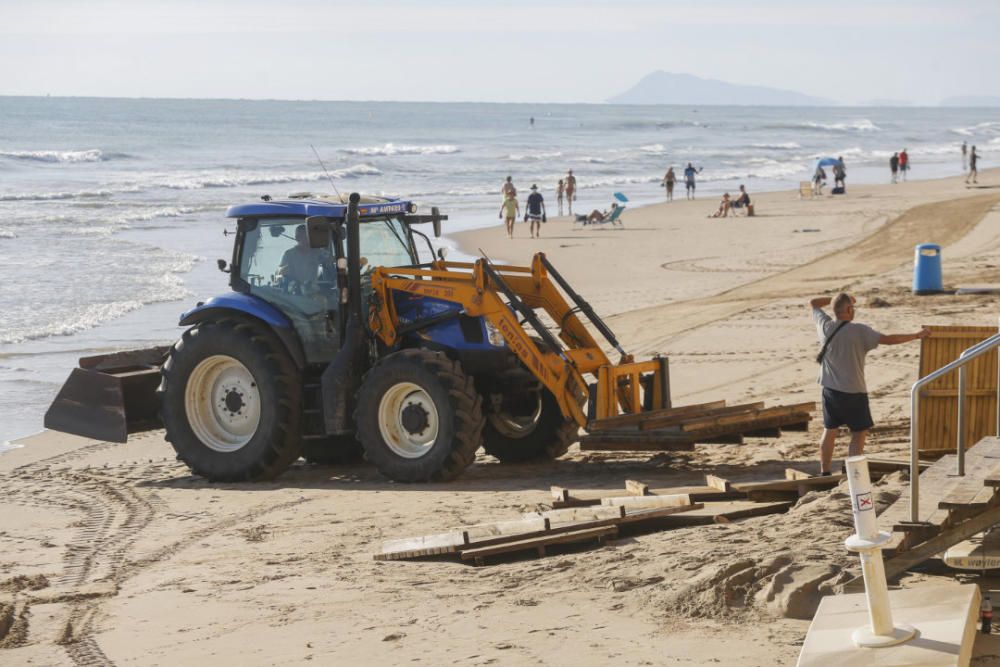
(115,555)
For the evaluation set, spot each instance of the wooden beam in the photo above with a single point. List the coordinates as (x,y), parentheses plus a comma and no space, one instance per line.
(539,543)
(719,483)
(672,420)
(601,443)
(635,488)
(632,419)
(635,502)
(746,417)
(792,473)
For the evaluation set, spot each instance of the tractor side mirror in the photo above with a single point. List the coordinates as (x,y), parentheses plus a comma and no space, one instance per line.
(442,253)
(319,231)
(221,263)
(436,220)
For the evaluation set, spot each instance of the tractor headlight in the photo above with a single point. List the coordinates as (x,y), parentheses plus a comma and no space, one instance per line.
(493,334)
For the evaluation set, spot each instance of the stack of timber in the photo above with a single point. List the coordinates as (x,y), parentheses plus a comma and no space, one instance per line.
(951,509)
(580,518)
(679,428)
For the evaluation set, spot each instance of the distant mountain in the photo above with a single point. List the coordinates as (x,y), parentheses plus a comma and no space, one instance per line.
(670,88)
(971,101)
(886,102)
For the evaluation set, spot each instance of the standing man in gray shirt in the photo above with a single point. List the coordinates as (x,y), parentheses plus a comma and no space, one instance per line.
(842,372)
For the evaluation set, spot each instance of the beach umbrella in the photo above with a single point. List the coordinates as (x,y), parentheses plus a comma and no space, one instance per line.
(826,161)
(621,197)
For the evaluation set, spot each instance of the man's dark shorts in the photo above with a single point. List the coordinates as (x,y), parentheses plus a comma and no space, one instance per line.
(850,410)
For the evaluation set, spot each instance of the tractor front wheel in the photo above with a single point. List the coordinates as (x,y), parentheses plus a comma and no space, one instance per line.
(419,417)
(230,400)
(537,430)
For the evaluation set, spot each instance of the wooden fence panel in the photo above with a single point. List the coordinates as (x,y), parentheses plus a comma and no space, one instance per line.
(937,426)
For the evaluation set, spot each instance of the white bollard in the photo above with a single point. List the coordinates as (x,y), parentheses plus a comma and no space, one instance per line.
(868,542)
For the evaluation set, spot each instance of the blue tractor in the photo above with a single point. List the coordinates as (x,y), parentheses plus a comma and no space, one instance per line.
(284,365)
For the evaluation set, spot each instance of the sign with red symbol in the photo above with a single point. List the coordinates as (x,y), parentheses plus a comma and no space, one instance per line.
(864,502)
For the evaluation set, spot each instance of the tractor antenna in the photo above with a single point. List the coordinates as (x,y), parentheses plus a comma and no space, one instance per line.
(326,171)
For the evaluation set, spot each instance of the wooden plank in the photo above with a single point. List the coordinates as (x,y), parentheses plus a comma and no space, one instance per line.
(452,540)
(719,483)
(650,514)
(969,492)
(632,419)
(539,542)
(672,420)
(635,488)
(636,502)
(723,511)
(578,514)
(792,473)
(592,443)
(705,434)
(892,465)
(747,417)
(789,484)
(559,494)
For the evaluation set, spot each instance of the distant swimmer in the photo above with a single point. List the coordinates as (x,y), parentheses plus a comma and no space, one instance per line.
(560,192)
(532,121)
(965,153)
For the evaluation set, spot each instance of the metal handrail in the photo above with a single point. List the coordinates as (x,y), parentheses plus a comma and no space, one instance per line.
(968,355)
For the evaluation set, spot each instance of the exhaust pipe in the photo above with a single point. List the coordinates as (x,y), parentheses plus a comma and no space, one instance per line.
(342,378)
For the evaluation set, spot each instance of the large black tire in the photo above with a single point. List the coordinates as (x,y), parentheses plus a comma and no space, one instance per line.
(419,417)
(515,441)
(333,450)
(221,439)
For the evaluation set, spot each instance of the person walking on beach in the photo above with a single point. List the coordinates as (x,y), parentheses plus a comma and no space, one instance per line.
(973,167)
(570,191)
(508,188)
(842,372)
(689,174)
(904,163)
(894,166)
(668,182)
(560,191)
(535,212)
(839,174)
(509,211)
(965,152)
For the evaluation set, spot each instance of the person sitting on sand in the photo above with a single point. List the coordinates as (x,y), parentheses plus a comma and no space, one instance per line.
(724,205)
(509,211)
(596,215)
(743,201)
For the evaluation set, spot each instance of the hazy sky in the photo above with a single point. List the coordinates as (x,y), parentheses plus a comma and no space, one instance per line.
(537,51)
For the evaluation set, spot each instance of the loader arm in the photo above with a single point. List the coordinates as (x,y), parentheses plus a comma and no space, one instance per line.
(501,294)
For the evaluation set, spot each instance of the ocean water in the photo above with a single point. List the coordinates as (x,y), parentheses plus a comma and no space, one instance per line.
(112,210)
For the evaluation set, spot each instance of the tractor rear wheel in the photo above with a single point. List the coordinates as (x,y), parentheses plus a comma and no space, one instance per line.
(230,400)
(419,417)
(537,432)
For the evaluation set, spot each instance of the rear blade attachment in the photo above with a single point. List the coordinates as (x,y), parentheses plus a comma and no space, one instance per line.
(110,396)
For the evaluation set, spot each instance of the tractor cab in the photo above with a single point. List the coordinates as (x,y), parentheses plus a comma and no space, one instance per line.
(280,258)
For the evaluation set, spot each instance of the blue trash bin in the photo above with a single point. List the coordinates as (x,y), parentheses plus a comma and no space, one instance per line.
(927,269)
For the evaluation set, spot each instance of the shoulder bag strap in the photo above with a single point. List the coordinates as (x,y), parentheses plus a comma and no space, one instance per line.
(826,343)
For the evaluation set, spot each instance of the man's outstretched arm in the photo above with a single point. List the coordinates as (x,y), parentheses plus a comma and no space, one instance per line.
(897,339)
(820,302)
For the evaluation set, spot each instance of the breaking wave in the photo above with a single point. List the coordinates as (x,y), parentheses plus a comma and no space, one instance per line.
(402,149)
(88,155)
(212,179)
(529,157)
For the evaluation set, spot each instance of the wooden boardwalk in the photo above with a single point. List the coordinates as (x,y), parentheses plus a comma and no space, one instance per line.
(952,509)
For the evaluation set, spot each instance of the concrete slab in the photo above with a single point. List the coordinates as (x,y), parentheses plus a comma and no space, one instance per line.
(945,618)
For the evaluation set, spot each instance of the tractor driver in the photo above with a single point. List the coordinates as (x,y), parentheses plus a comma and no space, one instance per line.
(300,263)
